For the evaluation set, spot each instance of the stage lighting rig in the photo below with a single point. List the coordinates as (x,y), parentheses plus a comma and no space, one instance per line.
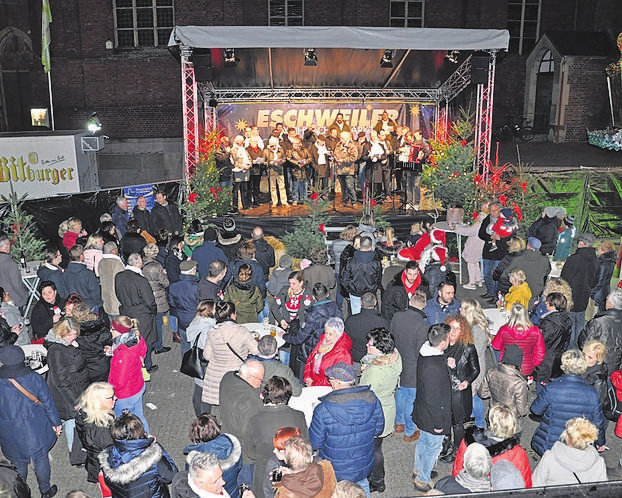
(94,125)
(453,56)
(310,57)
(229,56)
(387,59)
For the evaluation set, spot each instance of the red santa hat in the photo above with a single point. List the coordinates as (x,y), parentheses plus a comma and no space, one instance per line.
(438,237)
(439,254)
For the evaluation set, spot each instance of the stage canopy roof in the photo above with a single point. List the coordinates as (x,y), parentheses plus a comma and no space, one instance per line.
(348,57)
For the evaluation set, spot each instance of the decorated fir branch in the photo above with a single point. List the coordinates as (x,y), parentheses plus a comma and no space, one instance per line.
(21,229)
(309,230)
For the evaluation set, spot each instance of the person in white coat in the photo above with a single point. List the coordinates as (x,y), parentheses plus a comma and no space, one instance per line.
(472,252)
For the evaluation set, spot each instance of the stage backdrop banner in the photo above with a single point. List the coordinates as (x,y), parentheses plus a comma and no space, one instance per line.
(134,192)
(360,116)
(40,167)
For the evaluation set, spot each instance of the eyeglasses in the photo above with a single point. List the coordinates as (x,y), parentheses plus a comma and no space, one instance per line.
(113,397)
(260,379)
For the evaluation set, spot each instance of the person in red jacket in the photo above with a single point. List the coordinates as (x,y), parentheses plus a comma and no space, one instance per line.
(126,367)
(334,347)
(500,439)
(520,331)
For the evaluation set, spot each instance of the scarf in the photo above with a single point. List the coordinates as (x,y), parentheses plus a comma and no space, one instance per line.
(411,290)
(471,483)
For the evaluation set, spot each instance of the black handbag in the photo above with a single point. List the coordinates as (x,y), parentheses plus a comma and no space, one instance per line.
(193,363)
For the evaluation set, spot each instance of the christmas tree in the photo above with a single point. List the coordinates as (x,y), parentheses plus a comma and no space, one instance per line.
(309,230)
(21,228)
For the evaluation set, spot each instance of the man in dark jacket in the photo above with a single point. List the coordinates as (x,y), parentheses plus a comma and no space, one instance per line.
(183,297)
(581,273)
(363,273)
(410,331)
(546,230)
(135,294)
(204,474)
(120,216)
(357,326)
(208,252)
(344,425)
(535,265)
(495,249)
(165,215)
(320,272)
(81,280)
(399,291)
(141,214)
(432,412)
(209,286)
(264,253)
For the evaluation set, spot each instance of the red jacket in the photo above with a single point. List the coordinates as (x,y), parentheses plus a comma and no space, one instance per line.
(341,352)
(126,369)
(530,341)
(508,449)
(69,239)
(616,380)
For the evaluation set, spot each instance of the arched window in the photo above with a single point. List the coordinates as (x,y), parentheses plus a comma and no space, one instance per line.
(547,64)
(16,59)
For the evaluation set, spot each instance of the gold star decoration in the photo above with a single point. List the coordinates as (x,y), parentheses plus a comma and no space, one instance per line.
(241,125)
(370,107)
(415,109)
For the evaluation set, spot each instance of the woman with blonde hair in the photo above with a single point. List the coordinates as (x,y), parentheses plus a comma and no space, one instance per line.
(554,284)
(93,252)
(94,417)
(594,352)
(71,230)
(519,292)
(573,459)
(520,331)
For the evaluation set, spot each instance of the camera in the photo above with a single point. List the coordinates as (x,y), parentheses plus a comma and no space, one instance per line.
(276,475)
(242,488)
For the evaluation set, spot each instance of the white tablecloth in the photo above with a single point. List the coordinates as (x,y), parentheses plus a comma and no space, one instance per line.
(496,318)
(259,328)
(308,400)
(37,354)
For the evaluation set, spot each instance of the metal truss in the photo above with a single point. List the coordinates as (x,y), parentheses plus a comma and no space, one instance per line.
(191,121)
(457,82)
(483,130)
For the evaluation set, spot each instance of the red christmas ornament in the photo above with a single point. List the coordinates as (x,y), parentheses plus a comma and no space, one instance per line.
(478,179)
(212,190)
(524,187)
(192,198)
(463,143)
(503,199)
(322,228)
(314,196)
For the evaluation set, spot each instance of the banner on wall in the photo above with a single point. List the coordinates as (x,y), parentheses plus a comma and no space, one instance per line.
(134,192)
(360,116)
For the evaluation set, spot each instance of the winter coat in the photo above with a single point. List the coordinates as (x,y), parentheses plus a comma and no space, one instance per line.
(357,326)
(530,341)
(94,335)
(317,316)
(247,299)
(209,290)
(262,428)
(297,160)
(335,250)
(228,243)
(143,216)
(92,257)
(14,484)
(410,331)
(275,367)
(363,273)
(596,376)
(467,369)
(562,465)
(67,375)
(257,277)
(545,230)
(473,247)
(227,448)
(500,274)
(165,217)
(183,297)
(564,244)
(221,358)
(345,157)
(131,243)
(172,260)
(499,449)
(395,297)
(518,294)
(279,311)
(581,271)
(137,301)
(606,265)
(81,280)
(120,218)
(502,244)
(205,255)
(137,468)
(155,274)
(316,481)
(70,239)
(26,429)
(49,272)
(341,352)
(432,412)
(606,327)
(505,385)
(343,428)
(278,280)
(239,401)
(555,328)
(323,274)
(536,267)
(94,439)
(126,368)
(560,400)
(264,254)
(382,375)
(42,317)
(108,267)
(436,313)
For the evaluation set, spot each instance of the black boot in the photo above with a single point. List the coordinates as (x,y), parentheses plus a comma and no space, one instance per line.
(448,447)
(50,492)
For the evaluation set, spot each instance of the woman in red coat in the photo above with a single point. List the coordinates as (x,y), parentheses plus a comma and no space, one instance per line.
(520,331)
(335,346)
(500,439)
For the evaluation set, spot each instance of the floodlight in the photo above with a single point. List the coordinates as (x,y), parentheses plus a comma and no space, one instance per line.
(229,56)
(310,57)
(453,56)
(93,124)
(387,59)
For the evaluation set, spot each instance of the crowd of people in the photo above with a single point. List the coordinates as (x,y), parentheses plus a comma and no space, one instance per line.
(389,160)
(380,343)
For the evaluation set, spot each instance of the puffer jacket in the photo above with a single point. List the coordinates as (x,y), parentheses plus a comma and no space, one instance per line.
(607,263)
(154,272)
(316,481)
(363,273)
(565,465)
(226,447)
(435,313)
(94,335)
(317,316)
(605,327)
(506,449)
(343,428)
(247,299)
(555,328)
(560,400)
(137,468)
(545,230)
(341,352)
(505,385)
(530,341)
(126,368)
(183,297)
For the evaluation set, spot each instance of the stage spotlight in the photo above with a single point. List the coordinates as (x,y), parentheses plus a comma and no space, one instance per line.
(453,56)
(387,59)
(310,57)
(213,102)
(229,56)
(93,124)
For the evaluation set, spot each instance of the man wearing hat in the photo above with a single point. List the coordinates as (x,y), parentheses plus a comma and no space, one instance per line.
(30,422)
(183,297)
(268,353)
(535,265)
(229,239)
(581,271)
(344,425)
(565,238)
(208,252)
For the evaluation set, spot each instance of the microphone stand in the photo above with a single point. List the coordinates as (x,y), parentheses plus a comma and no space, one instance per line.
(333,173)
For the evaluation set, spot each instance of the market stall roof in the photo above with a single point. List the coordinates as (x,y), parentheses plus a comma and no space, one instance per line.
(348,57)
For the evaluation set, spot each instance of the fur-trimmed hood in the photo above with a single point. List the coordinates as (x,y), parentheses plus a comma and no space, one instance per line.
(494,446)
(226,447)
(386,359)
(126,461)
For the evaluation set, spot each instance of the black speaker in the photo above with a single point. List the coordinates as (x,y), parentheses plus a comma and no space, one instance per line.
(203,69)
(479,68)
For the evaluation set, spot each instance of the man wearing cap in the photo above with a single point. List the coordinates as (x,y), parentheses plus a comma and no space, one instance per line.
(229,239)
(581,271)
(268,352)
(535,265)
(565,238)
(183,297)
(210,286)
(344,425)
(208,252)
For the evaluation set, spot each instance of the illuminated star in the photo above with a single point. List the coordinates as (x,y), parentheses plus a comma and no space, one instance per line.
(415,109)
(241,125)
(369,107)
